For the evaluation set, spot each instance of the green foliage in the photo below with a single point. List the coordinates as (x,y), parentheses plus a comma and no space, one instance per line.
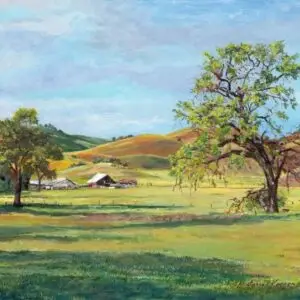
(78,164)
(25,148)
(282,198)
(39,163)
(19,138)
(25,117)
(253,200)
(101,159)
(258,72)
(236,161)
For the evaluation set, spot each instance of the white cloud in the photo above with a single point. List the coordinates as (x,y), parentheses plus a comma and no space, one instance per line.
(12,59)
(36,4)
(90,117)
(52,25)
(236,14)
(286,6)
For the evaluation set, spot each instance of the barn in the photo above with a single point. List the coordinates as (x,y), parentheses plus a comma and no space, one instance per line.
(100,179)
(56,184)
(63,183)
(34,185)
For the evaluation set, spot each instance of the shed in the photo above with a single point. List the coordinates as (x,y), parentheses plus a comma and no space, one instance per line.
(128,181)
(100,180)
(56,184)
(63,183)
(45,184)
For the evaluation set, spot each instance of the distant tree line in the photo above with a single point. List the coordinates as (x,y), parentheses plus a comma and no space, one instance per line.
(78,164)
(116,162)
(122,137)
(51,128)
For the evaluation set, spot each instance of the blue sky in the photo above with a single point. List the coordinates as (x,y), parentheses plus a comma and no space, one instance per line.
(107,68)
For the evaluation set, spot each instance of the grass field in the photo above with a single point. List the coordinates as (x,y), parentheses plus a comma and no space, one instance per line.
(146,243)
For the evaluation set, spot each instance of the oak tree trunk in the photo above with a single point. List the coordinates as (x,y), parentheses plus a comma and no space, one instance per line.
(39,184)
(272,200)
(18,191)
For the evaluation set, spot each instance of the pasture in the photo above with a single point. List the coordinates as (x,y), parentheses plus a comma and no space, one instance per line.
(146,243)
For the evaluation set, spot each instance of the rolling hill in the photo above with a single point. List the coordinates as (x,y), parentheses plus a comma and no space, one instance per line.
(185,135)
(69,142)
(150,144)
(149,151)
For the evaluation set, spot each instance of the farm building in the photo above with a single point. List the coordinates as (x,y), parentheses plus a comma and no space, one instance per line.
(124,183)
(100,180)
(56,184)
(128,181)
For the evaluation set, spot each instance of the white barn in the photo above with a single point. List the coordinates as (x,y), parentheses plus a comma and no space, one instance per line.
(100,179)
(56,184)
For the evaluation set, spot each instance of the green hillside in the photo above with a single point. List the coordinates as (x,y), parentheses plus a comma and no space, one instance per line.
(69,142)
(146,161)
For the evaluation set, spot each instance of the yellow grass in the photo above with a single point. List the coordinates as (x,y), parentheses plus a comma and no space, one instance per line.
(61,164)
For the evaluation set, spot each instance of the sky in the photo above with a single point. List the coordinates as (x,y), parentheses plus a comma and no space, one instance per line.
(112,67)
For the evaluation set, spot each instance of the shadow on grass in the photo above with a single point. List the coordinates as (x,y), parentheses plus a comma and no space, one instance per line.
(212,219)
(62,275)
(143,213)
(59,234)
(98,231)
(61,210)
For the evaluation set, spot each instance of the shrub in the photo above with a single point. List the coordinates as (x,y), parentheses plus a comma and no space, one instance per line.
(79,164)
(253,200)
(100,159)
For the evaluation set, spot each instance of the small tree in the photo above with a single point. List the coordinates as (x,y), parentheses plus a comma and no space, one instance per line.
(20,137)
(43,171)
(39,164)
(241,97)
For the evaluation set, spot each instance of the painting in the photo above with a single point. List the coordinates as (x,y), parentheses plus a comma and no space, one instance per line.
(149,149)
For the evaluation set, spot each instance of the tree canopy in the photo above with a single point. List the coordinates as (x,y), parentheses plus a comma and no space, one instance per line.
(240,102)
(23,145)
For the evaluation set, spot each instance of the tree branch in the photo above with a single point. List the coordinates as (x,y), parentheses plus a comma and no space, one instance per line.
(225,155)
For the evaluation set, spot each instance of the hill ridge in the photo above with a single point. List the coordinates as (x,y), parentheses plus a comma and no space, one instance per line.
(72,142)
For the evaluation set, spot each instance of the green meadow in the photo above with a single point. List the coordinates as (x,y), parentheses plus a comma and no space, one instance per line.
(147,242)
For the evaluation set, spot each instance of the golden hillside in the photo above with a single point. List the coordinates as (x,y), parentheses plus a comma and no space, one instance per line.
(185,135)
(150,144)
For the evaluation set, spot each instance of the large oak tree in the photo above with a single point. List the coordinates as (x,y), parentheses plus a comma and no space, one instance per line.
(22,144)
(240,102)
